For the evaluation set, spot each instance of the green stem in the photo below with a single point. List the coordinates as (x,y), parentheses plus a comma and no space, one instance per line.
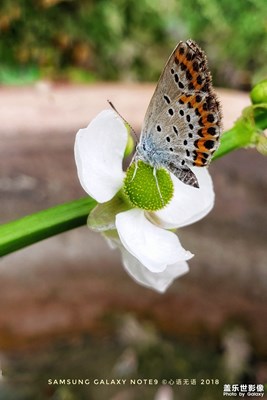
(44,224)
(239,136)
(41,225)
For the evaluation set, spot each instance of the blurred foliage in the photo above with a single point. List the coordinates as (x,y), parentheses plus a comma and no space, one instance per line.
(26,373)
(85,40)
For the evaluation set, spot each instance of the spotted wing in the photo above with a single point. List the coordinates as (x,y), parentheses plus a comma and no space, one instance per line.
(183,119)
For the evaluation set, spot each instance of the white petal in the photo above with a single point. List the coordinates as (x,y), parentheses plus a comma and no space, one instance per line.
(99,151)
(188,204)
(158,281)
(154,247)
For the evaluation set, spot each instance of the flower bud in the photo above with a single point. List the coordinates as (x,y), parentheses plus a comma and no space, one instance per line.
(258,94)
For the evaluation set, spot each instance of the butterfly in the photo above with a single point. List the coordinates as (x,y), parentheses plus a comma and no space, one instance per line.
(182,125)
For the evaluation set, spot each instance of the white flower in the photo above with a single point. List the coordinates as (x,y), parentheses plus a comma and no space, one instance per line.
(151,254)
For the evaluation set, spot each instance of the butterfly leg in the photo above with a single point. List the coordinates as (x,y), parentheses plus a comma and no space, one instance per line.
(157,184)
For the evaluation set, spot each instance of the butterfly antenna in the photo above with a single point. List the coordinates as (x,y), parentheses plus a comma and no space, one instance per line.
(126,122)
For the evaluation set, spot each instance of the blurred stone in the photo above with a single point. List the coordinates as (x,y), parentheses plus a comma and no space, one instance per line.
(164,393)
(237,354)
(126,365)
(68,284)
(131,332)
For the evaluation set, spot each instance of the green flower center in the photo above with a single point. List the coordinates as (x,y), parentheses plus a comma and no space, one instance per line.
(148,190)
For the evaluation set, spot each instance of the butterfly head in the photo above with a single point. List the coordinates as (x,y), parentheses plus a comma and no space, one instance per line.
(147,151)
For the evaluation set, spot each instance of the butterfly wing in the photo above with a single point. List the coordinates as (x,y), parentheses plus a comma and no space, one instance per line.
(183,120)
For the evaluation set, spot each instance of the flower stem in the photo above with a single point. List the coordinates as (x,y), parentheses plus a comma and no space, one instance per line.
(44,224)
(240,135)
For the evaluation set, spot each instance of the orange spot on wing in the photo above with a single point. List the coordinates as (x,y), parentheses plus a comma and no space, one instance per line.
(199,162)
(207,136)
(201,146)
(200,143)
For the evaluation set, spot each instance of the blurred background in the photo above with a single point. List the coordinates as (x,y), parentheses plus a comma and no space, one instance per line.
(128,40)
(68,310)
